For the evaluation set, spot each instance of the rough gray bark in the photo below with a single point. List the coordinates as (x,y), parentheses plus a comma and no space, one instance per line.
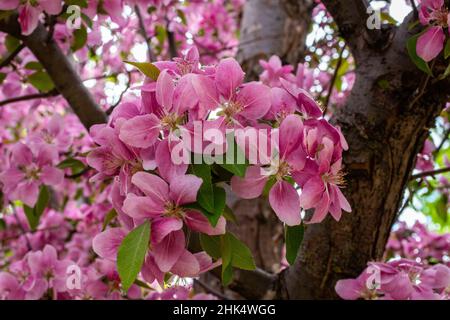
(269,27)
(64,76)
(385,128)
(273,27)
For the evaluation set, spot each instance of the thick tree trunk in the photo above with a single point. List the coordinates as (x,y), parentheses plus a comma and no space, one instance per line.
(273,27)
(386,120)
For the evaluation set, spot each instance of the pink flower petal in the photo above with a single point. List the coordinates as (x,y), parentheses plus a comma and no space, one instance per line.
(285,201)
(431,43)
(140,131)
(107,243)
(251,186)
(152,185)
(198,222)
(169,250)
(229,77)
(184,189)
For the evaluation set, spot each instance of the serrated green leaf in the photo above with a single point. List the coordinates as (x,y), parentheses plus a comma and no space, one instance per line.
(34,214)
(131,254)
(294,238)
(147,68)
(41,81)
(419,62)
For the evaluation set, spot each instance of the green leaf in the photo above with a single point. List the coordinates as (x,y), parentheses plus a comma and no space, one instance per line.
(419,62)
(229,214)
(212,245)
(447,49)
(11,43)
(227,274)
(35,213)
(34,65)
(41,81)
(2,77)
(182,16)
(108,218)
(294,238)
(147,68)
(161,34)
(241,255)
(79,39)
(2,225)
(219,205)
(234,158)
(386,17)
(205,195)
(131,254)
(442,209)
(80,3)
(74,164)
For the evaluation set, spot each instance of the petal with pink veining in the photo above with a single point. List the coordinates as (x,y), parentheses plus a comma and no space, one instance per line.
(169,250)
(141,131)
(285,201)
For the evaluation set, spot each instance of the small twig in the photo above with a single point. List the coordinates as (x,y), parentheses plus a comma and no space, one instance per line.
(11,57)
(144,34)
(414,6)
(333,79)
(211,290)
(52,93)
(111,109)
(430,173)
(444,139)
(422,88)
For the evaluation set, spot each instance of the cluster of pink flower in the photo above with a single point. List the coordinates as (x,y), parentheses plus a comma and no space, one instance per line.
(419,244)
(305,78)
(136,148)
(398,280)
(40,263)
(418,267)
(435,15)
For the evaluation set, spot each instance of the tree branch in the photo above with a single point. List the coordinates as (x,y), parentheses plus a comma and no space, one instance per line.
(351,18)
(64,76)
(430,173)
(11,56)
(144,34)
(51,93)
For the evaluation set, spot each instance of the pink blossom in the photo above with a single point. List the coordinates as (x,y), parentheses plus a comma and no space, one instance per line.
(27,171)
